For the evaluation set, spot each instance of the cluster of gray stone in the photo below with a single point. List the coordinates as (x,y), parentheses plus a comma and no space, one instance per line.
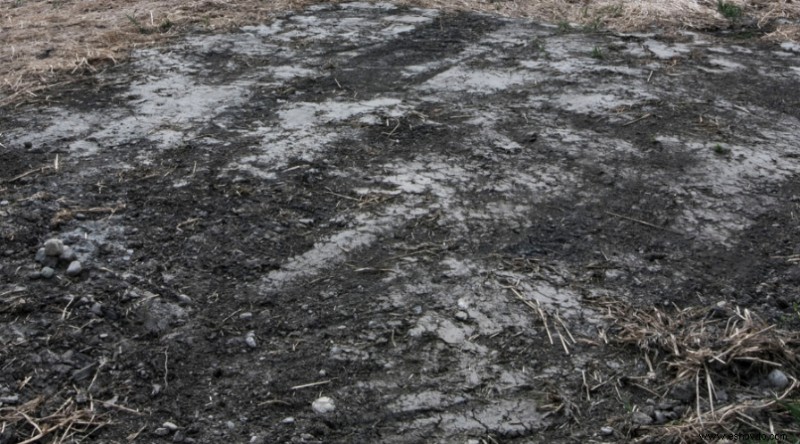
(55,254)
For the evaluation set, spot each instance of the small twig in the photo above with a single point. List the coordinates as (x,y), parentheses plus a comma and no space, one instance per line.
(166,368)
(637,120)
(586,385)
(28,173)
(639,221)
(272,401)
(109,404)
(393,130)
(311,384)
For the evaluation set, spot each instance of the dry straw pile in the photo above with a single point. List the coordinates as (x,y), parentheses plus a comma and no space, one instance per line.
(45,42)
(709,350)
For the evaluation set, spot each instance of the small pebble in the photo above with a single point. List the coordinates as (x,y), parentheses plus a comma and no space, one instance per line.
(250,340)
(40,256)
(183,299)
(68,254)
(323,405)
(288,420)
(230,425)
(161,431)
(97,309)
(9,400)
(170,425)
(47,272)
(462,316)
(642,418)
(74,268)
(778,379)
(246,315)
(53,247)
(660,417)
(606,430)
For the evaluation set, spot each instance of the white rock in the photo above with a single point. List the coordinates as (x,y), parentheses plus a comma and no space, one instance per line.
(323,405)
(606,430)
(288,420)
(53,247)
(778,379)
(68,254)
(250,340)
(170,425)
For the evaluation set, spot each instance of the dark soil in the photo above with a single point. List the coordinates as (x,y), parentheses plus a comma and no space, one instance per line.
(342,221)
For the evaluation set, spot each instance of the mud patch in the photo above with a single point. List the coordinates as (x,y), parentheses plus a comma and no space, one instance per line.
(414,213)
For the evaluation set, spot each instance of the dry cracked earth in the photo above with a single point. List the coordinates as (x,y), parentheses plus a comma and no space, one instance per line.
(413,213)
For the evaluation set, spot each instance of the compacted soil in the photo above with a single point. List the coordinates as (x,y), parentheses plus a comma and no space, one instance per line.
(435,220)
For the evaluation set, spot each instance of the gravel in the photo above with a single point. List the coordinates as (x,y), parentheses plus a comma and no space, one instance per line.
(323,405)
(161,431)
(53,247)
(47,272)
(68,254)
(74,268)
(250,340)
(642,418)
(777,379)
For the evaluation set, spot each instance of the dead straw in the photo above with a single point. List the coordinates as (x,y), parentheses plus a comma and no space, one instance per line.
(705,347)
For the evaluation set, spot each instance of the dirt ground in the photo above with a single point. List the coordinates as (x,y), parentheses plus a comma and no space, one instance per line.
(452,225)
(49,43)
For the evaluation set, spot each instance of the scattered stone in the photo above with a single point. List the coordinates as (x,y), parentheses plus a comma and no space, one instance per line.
(288,420)
(230,425)
(250,340)
(170,425)
(184,299)
(323,405)
(161,431)
(40,256)
(778,379)
(683,392)
(68,254)
(462,316)
(83,373)
(606,430)
(97,309)
(245,316)
(660,417)
(74,268)
(179,437)
(9,400)
(53,247)
(642,418)
(34,275)
(47,273)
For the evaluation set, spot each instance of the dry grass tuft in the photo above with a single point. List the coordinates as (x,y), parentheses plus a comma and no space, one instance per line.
(31,422)
(707,349)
